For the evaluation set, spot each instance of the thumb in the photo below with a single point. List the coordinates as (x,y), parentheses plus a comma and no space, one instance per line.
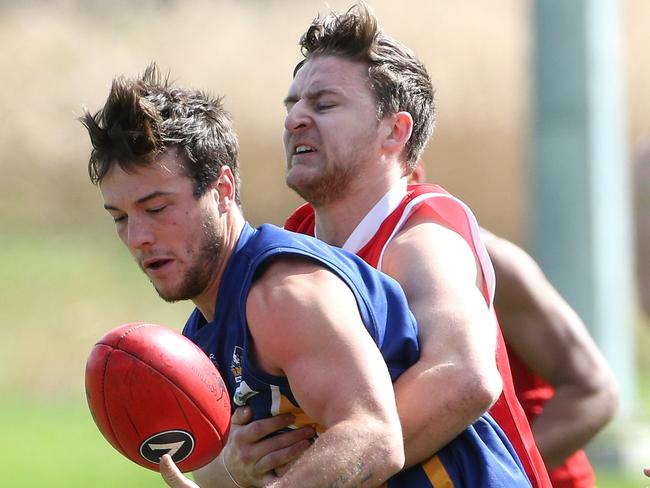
(242,416)
(172,475)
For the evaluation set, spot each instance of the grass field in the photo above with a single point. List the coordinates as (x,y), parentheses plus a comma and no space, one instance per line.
(59,293)
(57,445)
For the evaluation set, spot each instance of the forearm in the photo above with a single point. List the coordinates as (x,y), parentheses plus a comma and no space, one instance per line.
(347,456)
(570,419)
(436,404)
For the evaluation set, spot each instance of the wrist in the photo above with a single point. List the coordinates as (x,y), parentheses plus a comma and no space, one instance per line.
(232,478)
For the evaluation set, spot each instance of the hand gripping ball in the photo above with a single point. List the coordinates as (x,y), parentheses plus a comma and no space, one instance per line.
(152,391)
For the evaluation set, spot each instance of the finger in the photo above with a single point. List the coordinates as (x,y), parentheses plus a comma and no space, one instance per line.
(281,470)
(269,478)
(281,459)
(260,429)
(242,416)
(646,471)
(172,475)
(280,449)
(244,451)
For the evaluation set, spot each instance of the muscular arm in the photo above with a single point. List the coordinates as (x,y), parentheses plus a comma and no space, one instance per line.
(456,379)
(305,325)
(554,343)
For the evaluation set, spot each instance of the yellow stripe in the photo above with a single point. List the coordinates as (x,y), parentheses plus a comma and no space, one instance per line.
(437,473)
(302,419)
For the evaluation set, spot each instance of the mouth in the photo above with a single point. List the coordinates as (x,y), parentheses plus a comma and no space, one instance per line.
(303,149)
(153,265)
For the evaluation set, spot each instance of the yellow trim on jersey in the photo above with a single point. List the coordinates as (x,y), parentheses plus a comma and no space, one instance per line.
(437,473)
(433,468)
(302,419)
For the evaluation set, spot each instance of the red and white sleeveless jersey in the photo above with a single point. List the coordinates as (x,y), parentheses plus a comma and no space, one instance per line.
(369,241)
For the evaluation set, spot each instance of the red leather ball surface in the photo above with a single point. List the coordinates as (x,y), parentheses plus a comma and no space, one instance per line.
(152,391)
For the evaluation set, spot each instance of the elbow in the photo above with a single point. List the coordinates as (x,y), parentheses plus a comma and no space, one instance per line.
(394,464)
(495,388)
(395,457)
(608,399)
(485,388)
(389,452)
(599,400)
(477,391)
(602,392)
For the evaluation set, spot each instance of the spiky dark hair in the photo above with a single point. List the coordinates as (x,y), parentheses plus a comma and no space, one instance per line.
(145,116)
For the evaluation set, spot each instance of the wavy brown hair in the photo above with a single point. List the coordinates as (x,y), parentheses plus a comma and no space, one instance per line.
(399,81)
(145,116)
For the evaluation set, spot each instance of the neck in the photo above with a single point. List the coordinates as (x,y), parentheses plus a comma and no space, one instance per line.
(206,302)
(335,221)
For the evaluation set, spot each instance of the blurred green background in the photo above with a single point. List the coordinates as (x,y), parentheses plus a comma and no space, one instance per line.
(64,277)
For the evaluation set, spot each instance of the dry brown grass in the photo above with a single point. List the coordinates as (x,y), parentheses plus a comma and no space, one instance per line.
(65,53)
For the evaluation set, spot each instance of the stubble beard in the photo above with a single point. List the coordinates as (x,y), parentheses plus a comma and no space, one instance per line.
(334,181)
(326,188)
(339,174)
(203,268)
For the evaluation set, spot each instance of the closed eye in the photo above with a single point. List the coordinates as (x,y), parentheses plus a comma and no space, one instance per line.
(324,106)
(157,209)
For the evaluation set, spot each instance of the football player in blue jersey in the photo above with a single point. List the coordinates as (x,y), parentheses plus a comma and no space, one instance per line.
(298,329)
(165,160)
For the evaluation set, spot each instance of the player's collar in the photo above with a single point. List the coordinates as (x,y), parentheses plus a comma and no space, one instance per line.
(369,225)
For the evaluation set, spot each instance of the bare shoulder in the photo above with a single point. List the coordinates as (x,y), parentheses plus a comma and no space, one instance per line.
(425,245)
(289,285)
(423,232)
(287,275)
(290,304)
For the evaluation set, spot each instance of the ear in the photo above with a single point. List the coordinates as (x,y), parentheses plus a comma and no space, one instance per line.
(400,127)
(225,187)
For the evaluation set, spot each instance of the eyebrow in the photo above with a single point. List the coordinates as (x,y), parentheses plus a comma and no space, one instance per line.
(142,200)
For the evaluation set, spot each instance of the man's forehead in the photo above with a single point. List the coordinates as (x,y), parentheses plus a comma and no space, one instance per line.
(167,162)
(327,74)
(158,174)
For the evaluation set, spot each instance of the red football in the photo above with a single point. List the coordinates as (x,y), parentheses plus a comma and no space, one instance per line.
(152,391)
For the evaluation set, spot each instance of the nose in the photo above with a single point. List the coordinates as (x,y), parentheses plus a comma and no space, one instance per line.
(139,234)
(297,117)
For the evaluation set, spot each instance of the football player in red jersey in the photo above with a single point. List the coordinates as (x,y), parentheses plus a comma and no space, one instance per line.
(359,113)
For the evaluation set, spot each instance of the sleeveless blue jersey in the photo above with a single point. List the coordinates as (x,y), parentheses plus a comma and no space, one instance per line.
(481,456)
